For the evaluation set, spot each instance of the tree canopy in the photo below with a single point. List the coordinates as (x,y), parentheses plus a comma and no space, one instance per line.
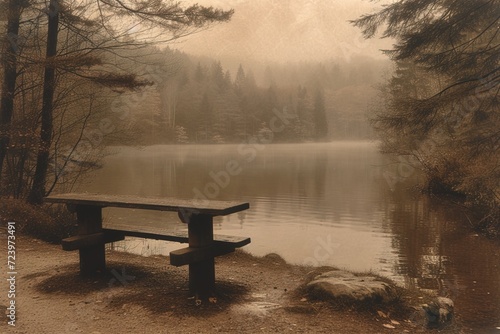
(442,103)
(62,60)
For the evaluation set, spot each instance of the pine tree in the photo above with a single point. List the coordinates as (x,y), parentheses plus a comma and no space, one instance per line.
(319,113)
(82,43)
(456,46)
(240,80)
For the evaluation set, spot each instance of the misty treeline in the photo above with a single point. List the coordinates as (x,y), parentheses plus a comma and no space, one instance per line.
(61,69)
(441,107)
(197,100)
(79,75)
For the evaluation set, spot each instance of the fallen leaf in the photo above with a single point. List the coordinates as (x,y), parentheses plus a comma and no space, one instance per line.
(394,322)
(303,300)
(388,326)
(381,314)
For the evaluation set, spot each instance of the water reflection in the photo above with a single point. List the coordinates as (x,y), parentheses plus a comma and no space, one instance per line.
(326,204)
(436,254)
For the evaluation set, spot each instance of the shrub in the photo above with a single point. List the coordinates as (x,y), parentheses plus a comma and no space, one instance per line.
(49,223)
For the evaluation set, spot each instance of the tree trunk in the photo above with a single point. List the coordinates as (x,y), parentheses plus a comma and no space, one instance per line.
(42,162)
(9,64)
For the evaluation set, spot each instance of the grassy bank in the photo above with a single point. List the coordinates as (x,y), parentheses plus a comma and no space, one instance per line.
(48,223)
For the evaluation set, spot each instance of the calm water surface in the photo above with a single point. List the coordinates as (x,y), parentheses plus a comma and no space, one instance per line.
(332,204)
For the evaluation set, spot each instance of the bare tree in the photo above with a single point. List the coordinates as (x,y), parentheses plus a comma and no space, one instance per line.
(9,63)
(96,34)
(49,86)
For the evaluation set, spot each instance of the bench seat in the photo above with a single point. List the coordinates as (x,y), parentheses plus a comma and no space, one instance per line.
(182,237)
(223,244)
(82,241)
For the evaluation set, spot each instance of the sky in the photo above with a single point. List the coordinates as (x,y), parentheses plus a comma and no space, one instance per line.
(287,31)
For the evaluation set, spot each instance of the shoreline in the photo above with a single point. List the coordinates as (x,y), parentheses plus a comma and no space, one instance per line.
(147,294)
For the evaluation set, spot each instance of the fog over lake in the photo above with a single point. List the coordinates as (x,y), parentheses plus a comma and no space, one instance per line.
(314,204)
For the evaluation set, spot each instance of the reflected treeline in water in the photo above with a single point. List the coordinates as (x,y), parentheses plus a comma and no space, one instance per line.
(343,201)
(331,182)
(439,252)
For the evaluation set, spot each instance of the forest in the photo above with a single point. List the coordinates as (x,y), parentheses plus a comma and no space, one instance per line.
(439,111)
(62,66)
(197,100)
(79,76)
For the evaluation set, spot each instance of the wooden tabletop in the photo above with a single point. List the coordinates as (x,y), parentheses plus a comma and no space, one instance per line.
(206,207)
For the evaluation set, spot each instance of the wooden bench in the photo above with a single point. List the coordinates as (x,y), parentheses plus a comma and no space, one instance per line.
(204,246)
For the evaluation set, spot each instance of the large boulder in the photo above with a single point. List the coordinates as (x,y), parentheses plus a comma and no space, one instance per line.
(345,286)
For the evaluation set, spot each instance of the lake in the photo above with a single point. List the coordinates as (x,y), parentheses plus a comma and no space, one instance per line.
(341,204)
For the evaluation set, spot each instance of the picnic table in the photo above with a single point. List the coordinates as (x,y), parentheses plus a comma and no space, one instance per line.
(204,246)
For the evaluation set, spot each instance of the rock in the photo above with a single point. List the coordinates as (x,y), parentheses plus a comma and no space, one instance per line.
(275,258)
(343,285)
(439,311)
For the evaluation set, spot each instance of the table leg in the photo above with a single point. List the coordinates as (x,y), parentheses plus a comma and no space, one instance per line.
(92,258)
(201,274)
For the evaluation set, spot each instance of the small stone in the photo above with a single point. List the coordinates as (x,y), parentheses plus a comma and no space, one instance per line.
(439,311)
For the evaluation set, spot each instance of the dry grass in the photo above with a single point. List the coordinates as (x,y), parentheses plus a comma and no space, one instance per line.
(49,223)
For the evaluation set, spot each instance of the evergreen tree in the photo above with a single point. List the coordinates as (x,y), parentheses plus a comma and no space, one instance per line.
(217,75)
(199,73)
(240,80)
(320,121)
(82,44)
(205,122)
(457,43)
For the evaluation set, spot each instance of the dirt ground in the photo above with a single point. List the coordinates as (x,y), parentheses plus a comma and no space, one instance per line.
(147,295)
